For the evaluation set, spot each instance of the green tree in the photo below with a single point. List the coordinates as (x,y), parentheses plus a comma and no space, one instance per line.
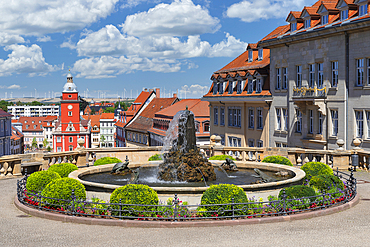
(4,105)
(102,140)
(92,111)
(34,143)
(109,110)
(45,142)
(36,103)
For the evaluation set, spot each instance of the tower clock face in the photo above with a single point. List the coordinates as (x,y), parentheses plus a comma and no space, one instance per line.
(70,107)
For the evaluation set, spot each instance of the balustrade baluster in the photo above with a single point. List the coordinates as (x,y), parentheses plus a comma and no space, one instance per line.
(9,174)
(2,170)
(299,160)
(306,160)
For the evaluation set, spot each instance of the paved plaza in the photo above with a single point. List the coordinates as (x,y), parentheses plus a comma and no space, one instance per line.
(347,228)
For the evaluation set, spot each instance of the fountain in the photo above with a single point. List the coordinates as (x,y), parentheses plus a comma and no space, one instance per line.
(185,170)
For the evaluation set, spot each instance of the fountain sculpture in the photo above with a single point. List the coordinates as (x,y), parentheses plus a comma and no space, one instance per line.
(183,162)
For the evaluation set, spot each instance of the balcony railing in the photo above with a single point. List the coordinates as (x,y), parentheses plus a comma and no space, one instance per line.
(309,92)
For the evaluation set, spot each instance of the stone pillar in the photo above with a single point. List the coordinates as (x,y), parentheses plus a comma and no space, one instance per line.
(81,157)
(17,168)
(341,160)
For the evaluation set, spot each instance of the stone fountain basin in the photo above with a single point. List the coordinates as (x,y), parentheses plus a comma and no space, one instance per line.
(298,175)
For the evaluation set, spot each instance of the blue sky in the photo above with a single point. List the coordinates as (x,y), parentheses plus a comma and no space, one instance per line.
(117,48)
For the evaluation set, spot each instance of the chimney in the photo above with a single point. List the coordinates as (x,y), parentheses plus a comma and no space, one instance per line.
(145,90)
(175,95)
(157,92)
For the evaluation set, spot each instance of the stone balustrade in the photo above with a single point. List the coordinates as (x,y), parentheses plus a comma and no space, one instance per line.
(16,165)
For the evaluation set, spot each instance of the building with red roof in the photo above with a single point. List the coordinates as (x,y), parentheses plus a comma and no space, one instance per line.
(16,141)
(239,99)
(126,117)
(5,132)
(162,119)
(137,132)
(70,126)
(33,129)
(323,54)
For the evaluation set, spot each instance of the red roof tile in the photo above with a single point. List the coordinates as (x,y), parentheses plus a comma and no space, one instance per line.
(4,113)
(198,107)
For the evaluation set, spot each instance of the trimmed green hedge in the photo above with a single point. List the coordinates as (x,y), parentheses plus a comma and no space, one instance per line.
(221,157)
(298,191)
(221,194)
(134,194)
(106,160)
(277,160)
(155,157)
(37,181)
(316,168)
(326,182)
(63,169)
(62,189)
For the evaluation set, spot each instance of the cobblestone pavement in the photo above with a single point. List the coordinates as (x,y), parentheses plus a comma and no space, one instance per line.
(347,228)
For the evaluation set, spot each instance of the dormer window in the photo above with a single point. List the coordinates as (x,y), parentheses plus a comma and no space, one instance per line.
(362,10)
(344,15)
(221,88)
(215,88)
(293,26)
(324,19)
(307,23)
(250,85)
(240,86)
(260,54)
(231,87)
(259,86)
(250,56)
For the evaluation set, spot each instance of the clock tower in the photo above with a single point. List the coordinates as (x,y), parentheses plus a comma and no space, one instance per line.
(70,126)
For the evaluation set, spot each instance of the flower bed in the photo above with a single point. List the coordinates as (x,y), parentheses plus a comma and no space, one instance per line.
(176,210)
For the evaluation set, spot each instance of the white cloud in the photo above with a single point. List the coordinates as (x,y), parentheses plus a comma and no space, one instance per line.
(194,91)
(25,59)
(180,18)
(14,86)
(255,10)
(110,41)
(132,3)
(108,66)
(9,39)
(44,39)
(24,17)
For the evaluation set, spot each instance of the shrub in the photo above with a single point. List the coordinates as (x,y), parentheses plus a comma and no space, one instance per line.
(326,182)
(37,181)
(134,194)
(155,157)
(106,160)
(298,191)
(222,194)
(62,189)
(277,160)
(221,157)
(63,169)
(315,168)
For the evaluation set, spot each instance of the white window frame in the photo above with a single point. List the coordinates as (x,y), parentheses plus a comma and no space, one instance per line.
(293,26)
(215,87)
(250,85)
(221,87)
(278,118)
(260,144)
(278,78)
(231,87)
(334,122)
(222,116)
(70,139)
(307,23)
(69,113)
(298,82)
(325,19)
(344,14)
(334,73)
(215,115)
(259,118)
(240,86)
(320,75)
(259,86)
(359,115)
(285,117)
(59,139)
(362,9)
(360,72)
(368,123)
(298,121)
(251,118)
(260,54)
(250,55)
(310,116)
(311,77)
(234,116)
(59,149)
(285,78)
(234,141)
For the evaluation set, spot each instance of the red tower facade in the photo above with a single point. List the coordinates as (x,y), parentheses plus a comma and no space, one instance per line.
(70,127)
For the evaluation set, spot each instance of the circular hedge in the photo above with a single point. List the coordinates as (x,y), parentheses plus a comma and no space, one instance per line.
(106,160)
(221,157)
(316,168)
(134,194)
(298,191)
(277,160)
(222,194)
(62,189)
(63,169)
(37,181)
(155,157)
(326,182)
